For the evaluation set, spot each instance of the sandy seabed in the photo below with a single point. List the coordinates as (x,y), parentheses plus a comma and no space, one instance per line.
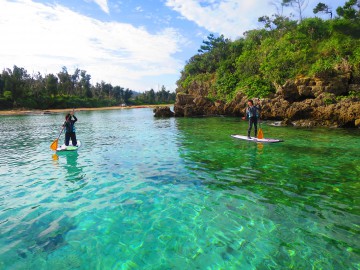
(50,111)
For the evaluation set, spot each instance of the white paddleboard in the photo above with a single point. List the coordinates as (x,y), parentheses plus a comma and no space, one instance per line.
(252,139)
(70,147)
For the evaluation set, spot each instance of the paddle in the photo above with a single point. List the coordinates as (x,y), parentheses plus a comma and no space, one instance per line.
(54,144)
(260,134)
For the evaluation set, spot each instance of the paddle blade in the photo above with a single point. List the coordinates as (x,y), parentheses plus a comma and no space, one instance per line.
(260,134)
(54,145)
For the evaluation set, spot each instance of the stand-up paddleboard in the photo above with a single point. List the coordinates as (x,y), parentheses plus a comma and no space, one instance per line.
(70,147)
(252,139)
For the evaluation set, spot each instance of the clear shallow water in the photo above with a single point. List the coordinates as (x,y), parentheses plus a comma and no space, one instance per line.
(146,193)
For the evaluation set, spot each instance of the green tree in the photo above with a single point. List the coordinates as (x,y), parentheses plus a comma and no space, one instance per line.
(107,89)
(98,91)
(75,88)
(51,84)
(226,80)
(278,25)
(267,21)
(350,10)
(321,7)
(164,96)
(298,5)
(150,96)
(37,86)
(314,29)
(213,43)
(213,50)
(2,84)
(15,82)
(127,95)
(85,84)
(65,82)
(118,93)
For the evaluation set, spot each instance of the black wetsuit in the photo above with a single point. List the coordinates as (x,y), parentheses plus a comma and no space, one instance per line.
(70,131)
(252,114)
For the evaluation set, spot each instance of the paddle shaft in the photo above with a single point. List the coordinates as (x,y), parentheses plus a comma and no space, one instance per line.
(61,132)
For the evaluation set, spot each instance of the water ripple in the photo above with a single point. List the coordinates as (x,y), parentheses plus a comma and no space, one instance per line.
(175,194)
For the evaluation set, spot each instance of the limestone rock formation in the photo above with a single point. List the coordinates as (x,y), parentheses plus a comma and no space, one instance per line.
(304,101)
(163,112)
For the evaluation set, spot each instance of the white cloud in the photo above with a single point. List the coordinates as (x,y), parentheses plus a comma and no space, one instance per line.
(233,17)
(139,9)
(230,17)
(103,5)
(43,38)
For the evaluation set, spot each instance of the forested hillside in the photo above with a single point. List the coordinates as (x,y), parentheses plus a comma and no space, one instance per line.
(285,48)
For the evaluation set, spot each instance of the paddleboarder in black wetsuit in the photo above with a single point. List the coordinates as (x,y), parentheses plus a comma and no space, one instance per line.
(70,129)
(252,113)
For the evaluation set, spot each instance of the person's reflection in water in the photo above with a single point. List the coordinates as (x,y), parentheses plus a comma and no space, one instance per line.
(255,156)
(75,176)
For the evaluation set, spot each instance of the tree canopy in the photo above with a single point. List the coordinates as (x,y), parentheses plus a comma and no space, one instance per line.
(321,7)
(18,89)
(284,49)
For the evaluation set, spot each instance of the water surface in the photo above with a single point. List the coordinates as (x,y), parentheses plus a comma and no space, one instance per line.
(178,193)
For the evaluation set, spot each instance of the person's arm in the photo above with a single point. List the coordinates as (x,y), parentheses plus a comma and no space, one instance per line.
(73,116)
(258,108)
(257,104)
(246,114)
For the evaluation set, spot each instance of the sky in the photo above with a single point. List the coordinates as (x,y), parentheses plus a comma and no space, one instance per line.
(140,45)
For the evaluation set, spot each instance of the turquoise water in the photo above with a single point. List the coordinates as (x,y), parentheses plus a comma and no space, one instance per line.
(146,193)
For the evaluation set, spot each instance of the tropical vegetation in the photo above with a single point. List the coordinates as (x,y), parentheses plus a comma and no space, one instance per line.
(162,96)
(285,48)
(19,89)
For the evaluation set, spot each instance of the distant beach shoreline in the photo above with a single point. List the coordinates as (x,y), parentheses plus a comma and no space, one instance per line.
(54,111)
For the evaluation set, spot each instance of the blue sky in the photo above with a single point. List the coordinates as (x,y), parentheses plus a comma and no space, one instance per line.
(134,44)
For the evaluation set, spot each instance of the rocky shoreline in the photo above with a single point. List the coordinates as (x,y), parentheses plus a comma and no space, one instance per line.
(304,101)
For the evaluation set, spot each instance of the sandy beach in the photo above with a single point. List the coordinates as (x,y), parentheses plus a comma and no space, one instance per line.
(50,111)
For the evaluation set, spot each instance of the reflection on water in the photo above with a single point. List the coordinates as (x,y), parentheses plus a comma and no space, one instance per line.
(177,193)
(75,177)
(55,158)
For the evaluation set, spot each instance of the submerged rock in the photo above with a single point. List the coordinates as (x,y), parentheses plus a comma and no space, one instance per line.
(52,243)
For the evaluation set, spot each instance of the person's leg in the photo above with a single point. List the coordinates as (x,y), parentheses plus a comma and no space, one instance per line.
(67,138)
(73,138)
(250,126)
(255,127)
